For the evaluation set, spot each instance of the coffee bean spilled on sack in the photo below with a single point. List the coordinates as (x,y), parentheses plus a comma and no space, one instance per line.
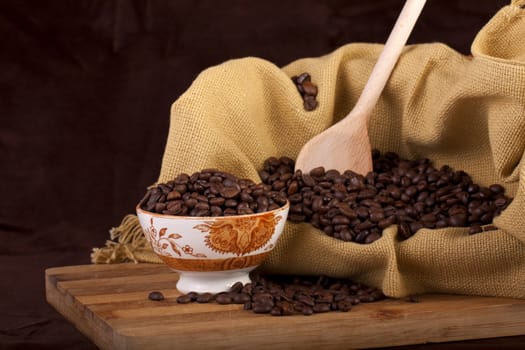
(354,208)
(288,295)
(307,90)
(409,193)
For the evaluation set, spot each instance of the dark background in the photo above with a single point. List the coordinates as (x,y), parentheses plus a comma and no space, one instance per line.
(85,93)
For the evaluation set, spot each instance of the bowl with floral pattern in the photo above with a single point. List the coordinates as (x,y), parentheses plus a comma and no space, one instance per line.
(212,253)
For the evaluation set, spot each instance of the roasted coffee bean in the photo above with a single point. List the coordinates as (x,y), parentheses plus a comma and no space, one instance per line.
(223,298)
(262,308)
(287,308)
(160,207)
(156,296)
(184,299)
(317,172)
(362,212)
(173,195)
(276,311)
(241,298)
(361,236)
(307,90)
(215,211)
(204,298)
(475,229)
(458,220)
(404,230)
(307,310)
(319,308)
(236,287)
(191,202)
(489,228)
(376,216)
(344,306)
(303,77)
(310,103)
(372,237)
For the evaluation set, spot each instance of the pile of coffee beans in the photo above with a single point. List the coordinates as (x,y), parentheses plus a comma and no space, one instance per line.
(287,295)
(307,89)
(211,192)
(409,193)
(412,194)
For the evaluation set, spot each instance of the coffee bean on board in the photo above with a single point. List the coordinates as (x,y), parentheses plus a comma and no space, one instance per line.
(156,296)
(292,295)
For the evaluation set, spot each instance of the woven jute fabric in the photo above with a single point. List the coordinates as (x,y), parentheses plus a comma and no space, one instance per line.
(467,112)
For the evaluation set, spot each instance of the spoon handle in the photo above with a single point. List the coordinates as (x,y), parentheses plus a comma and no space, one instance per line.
(389,56)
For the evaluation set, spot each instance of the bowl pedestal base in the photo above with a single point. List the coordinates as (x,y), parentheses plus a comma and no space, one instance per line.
(211,282)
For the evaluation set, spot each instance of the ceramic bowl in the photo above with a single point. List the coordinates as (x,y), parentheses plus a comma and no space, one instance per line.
(212,253)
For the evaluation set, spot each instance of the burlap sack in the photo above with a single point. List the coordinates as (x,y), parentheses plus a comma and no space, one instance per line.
(467,112)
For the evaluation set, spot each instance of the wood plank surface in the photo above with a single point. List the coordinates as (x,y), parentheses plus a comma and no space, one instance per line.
(110,305)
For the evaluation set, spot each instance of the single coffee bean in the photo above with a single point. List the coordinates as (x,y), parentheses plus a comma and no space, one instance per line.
(302,78)
(276,311)
(458,220)
(489,228)
(475,229)
(184,299)
(309,88)
(307,310)
(156,296)
(361,236)
(376,216)
(344,306)
(204,298)
(317,172)
(262,308)
(322,307)
(500,202)
(223,298)
(372,237)
(241,298)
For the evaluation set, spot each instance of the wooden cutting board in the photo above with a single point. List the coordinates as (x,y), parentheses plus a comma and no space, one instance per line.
(110,305)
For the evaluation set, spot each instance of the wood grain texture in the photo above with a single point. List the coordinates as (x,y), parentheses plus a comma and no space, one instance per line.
(110,305)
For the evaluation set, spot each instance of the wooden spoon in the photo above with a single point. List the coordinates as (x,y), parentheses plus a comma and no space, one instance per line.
(346,145)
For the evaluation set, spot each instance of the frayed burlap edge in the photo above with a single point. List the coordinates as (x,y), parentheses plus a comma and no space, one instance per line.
(127,244)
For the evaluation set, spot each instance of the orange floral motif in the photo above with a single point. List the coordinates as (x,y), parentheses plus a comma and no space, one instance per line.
(239,235)
(165,241)
(235,263)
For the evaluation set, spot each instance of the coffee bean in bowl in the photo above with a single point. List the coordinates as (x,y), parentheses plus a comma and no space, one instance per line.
(211,192)
(211,227)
